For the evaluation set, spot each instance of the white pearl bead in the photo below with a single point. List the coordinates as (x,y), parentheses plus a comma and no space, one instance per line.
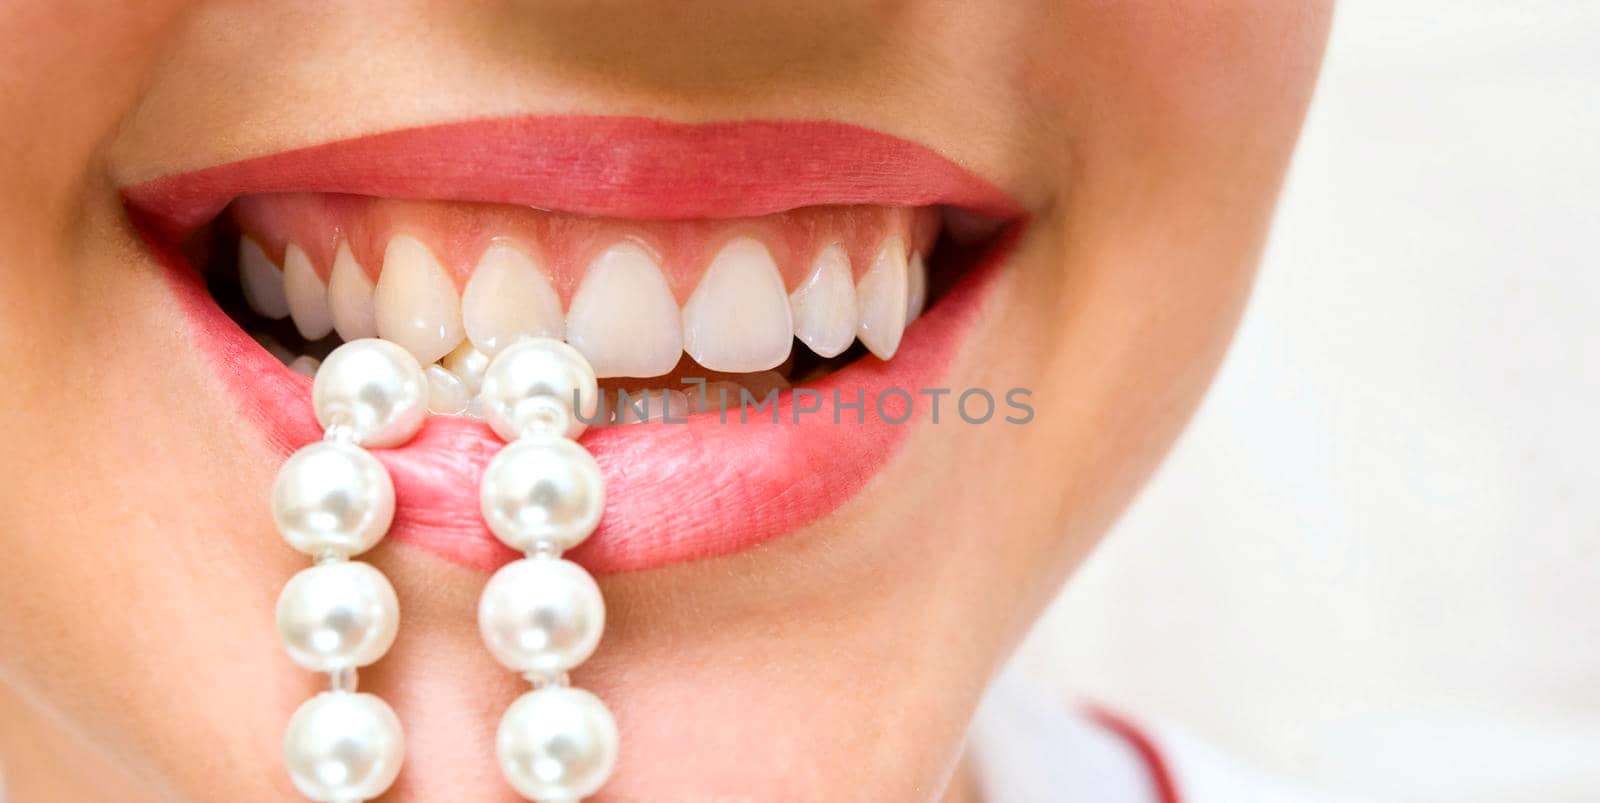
(374,386)
(343,746)
(332,497)
(541,615)
(337,615)
(524,379)
(557,743)
(545,489)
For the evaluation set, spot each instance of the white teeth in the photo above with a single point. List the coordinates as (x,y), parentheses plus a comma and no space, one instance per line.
(653,405)
(916,287)
(275,348)
(417,305)
(738,320)
(447,395)
(824,305)
(261,281)
(717,395)
(468,364)
(305,365)
(507,297)
(307,296)
(881,298)
(762,383)
(623,317)
(350,297)
(730,393)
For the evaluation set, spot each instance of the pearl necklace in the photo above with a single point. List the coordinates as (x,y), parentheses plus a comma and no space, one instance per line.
(540,616)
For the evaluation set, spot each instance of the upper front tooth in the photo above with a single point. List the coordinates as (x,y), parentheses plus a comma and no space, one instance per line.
(261,281)
(507,297)
(417,305)
(916,287)
(738,320)
(881,297)
(350,297)
(308,298)
(824,305)
(623,317)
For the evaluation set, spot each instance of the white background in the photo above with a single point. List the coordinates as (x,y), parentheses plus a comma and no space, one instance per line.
(1373,562)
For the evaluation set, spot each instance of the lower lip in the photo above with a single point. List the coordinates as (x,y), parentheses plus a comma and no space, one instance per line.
(675,492)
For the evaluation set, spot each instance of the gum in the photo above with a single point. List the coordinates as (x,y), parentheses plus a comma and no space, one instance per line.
(564,244)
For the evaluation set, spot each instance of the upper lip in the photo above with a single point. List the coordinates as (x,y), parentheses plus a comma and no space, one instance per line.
(624,167)
(676,491)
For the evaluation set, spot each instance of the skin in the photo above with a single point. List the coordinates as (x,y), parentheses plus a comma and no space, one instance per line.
(136,644)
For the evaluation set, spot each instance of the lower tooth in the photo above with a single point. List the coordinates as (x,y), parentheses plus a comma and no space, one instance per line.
(725,394)
(274,348)
(468,364)
(305,365)
(762,383)
(714,396)
(446,393)
(653,405)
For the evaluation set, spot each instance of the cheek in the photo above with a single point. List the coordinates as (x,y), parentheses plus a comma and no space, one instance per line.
(96,56)
(1175,122)
(1218,73)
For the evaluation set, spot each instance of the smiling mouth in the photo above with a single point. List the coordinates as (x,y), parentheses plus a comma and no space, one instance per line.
(700,269)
